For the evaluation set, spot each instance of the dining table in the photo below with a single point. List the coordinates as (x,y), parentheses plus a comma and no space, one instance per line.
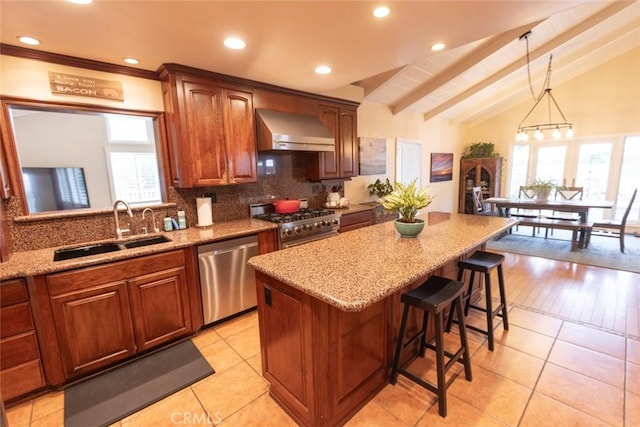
(581,207)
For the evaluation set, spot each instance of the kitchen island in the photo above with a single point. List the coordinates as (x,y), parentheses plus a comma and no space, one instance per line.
(329,311)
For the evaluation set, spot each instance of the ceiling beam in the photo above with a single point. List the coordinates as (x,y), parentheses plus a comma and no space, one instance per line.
(533,55)
(564,69)
(463,64)
(377,82)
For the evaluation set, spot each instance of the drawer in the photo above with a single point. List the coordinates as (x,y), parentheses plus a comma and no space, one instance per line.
(21,379)
(12,292)
(15,319)
(18,349)
(363,217)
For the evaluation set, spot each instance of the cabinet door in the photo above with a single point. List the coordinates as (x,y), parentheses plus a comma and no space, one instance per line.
(204,161)
(329,162)
(93,327)
(160,303)
(348,143)
(240,136)
(285,358)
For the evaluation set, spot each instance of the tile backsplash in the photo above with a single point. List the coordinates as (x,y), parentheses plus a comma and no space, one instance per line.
(280,175)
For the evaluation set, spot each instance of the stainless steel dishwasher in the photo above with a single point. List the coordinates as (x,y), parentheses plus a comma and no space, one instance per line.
(227,281)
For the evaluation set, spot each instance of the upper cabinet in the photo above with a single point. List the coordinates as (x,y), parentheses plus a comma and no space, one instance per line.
(211,131)
(343,162)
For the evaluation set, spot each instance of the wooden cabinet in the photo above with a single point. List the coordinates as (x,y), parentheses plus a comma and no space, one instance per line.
(211,131)
(482,172)
(20,363)
(158,303)
(107,313)
(5,188)
(93,326)
(321,363)
(343,162)
(355,220)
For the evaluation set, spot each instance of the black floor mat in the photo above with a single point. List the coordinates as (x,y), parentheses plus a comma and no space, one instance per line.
(109,397)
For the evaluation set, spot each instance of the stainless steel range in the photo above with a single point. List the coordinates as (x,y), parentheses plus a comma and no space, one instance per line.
(306,225)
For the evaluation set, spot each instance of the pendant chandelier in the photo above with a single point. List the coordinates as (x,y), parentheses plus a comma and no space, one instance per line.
(538,129)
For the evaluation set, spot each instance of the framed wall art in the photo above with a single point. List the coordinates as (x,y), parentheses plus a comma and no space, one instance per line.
(441,167)
(373,156)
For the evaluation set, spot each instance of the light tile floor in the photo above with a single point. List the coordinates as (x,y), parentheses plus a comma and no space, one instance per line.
(544,372)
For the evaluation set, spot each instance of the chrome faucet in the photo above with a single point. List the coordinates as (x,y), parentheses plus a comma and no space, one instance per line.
(153,217)
(119,230)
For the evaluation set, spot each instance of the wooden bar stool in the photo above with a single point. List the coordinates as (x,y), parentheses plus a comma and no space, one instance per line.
(433,297)
(483,262)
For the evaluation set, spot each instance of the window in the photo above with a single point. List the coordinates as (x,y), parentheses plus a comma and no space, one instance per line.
(606,166)
(629,180)
(132,164)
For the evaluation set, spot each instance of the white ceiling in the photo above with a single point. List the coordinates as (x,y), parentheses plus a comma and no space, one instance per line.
(480,73)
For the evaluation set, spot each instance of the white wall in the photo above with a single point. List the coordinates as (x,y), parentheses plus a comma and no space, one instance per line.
(602,101)
(436,136)
(28,78)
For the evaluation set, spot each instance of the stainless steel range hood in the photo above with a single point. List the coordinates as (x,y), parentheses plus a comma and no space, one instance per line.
(292,132)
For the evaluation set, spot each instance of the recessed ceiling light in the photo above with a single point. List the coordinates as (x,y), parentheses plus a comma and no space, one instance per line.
(234,43)
(80,1)
(29,40)
(438,46)
(381,12)
(323,69)
(132,61)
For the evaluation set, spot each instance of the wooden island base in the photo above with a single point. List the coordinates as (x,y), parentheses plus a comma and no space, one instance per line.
(328,329)
(325,364)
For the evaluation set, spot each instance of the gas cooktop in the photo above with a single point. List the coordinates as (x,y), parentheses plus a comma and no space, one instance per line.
(296,216)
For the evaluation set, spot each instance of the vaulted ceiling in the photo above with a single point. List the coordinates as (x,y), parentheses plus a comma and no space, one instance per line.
(482,71)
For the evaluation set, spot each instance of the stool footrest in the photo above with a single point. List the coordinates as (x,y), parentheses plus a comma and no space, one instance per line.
(453,357)
(418,380)
(413,339)
(496,312)
(432,388)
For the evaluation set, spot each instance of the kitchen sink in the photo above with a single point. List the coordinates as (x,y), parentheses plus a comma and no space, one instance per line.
(87,250)
(153,240)
(105,247)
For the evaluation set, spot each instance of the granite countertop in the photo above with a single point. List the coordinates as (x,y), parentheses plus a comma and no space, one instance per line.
(353,208)
(36,262)
(354,270)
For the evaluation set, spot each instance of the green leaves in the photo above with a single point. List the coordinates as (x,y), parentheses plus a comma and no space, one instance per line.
(407,200)
(379,188)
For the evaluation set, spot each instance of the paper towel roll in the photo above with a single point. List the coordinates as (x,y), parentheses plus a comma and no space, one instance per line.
(204,211)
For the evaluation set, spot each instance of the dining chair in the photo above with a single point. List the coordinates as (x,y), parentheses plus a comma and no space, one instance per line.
(526,194)
(613,228)
(565,193)
(480,207)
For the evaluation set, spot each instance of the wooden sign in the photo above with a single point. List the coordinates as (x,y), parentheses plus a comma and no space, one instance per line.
(68,84)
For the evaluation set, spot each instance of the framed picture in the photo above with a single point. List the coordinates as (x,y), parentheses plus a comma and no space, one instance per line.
(373,156)
(441,167)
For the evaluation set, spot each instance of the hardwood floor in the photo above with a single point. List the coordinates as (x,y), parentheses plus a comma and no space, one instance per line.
(602,298)
(571,357)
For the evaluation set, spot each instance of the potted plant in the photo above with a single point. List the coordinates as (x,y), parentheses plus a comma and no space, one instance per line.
(407,200)
(480,150)
(379,188)
(542,188)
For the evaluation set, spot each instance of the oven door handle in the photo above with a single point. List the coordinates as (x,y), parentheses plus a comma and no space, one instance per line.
(296,242)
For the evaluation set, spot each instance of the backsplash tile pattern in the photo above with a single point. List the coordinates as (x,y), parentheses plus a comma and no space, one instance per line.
(283,178)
